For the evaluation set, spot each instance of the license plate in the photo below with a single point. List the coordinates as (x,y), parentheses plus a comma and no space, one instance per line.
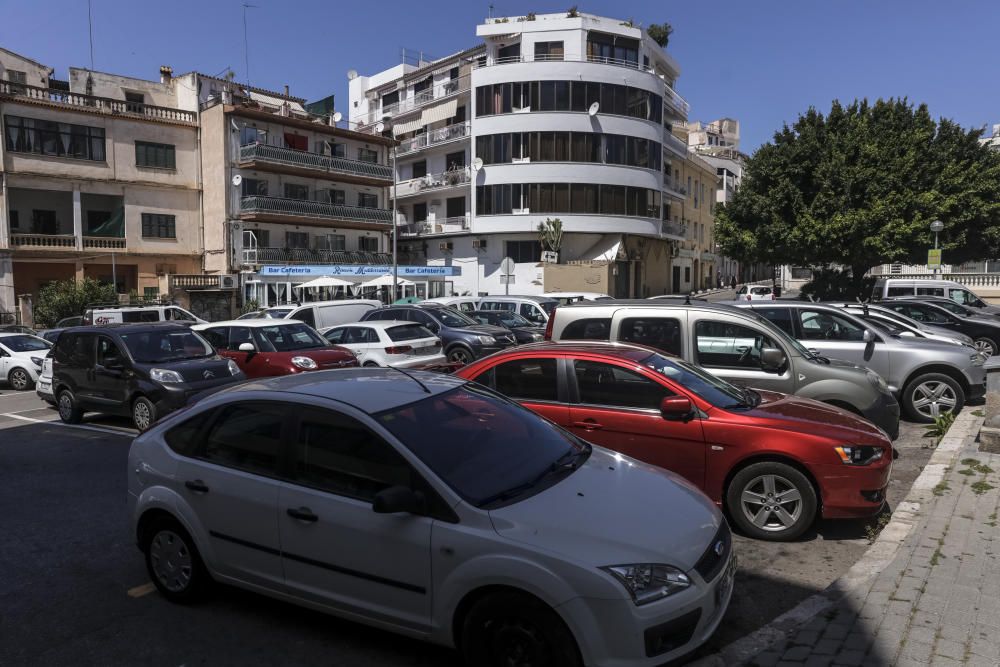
(430,349)
(726,583)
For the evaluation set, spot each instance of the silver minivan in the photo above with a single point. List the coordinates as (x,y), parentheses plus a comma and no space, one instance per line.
(894,288)
(735,344)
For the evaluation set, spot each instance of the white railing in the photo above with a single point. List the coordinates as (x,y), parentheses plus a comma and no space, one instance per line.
(446,179)
(675,143)
(675,101)
(263,205)
(440,135)
(65,241)
(295,158)
(967,279)
(104,104)
(415,100)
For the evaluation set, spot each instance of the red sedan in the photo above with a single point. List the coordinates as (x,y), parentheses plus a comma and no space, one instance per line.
(774,461)
(270,347)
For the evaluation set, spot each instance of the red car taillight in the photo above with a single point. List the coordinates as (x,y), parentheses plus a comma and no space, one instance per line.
(749,298)
(550,324)
(398,349)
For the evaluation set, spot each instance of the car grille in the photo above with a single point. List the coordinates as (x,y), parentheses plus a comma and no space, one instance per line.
(343,363)
(711,562)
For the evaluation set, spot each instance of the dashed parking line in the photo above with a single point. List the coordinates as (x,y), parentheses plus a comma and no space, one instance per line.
(56,422)
(139,591)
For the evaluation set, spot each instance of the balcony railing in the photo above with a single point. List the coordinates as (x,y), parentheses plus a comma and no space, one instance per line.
(103,104)
(675,143)
(438,226)
(296,158)
(257,204)
(673,229)
(446,179)
(311,256)
(103,243)
(65,241)
(676,190)
(415,101)
(439,136)
(675,101)
(708,256)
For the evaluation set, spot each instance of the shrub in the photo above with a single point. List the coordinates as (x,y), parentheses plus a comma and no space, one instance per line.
(67,298)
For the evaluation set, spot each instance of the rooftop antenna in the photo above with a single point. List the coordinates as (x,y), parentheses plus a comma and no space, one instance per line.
(246,55)
(491,10)
(90,28)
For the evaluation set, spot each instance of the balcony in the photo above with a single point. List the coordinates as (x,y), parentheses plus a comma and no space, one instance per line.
(64,242)
(441,135)
(668,228)
(447,179)
(438,226)
(310,256)
(708,256)
(261,156)
(103,105)
(677,191)
(675,143)
(675,103)
(413,102)
(278,209)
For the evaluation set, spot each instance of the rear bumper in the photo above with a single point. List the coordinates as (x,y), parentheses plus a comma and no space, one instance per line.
(419,362)
(884,413)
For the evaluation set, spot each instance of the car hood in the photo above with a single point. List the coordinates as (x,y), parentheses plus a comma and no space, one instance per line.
(208,369)
(794,413)
(615,510)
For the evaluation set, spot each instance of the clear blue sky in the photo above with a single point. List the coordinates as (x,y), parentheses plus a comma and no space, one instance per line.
(761,61)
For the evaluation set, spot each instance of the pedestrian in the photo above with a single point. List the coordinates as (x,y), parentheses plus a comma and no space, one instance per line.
(732,282)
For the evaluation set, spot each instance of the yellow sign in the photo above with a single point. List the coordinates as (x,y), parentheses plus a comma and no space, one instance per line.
(933,259)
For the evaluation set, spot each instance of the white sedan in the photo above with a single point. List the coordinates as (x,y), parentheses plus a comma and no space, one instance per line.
(21,357)
(391,343)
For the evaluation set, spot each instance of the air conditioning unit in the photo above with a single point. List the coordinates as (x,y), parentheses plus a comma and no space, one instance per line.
(228,282)
(445,246)
(478,243)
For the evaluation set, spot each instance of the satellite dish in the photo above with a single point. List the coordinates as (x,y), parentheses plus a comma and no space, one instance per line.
(352,74)
(594,108)
(477,164)
(237,179)
(380,127)
(337,116)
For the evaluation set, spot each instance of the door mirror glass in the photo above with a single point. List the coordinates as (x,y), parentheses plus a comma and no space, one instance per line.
(247,347)
(867,336)
(869,339)
(675,408)
(772,359)
(398,499)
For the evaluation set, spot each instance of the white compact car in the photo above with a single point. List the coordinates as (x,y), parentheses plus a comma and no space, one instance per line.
(44,385)
(21,357)
(391,343)
(755,293)
(432,507)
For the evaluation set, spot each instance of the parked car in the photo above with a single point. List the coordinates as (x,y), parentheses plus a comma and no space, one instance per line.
(143,371)
(755,293)
(523,330)
(904,326)
(269,347)
(984,330)
(66,322)
(928,377)
(17,329)
(100,315)
(460,303)
(396,344)
(276,312)
(432,507)
(535,309)
(888,288)
(324,314)
(736,345)
(566,298)
(43,388)
(21,357)
(775,462)
(463,338)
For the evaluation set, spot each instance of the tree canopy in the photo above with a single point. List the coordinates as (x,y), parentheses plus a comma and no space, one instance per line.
(860,186)
(66,298)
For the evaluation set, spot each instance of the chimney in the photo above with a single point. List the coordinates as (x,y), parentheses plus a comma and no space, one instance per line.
(166,74)
(286,90)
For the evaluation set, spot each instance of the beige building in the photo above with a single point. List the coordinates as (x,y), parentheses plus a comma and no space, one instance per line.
(100,178)
(690,186)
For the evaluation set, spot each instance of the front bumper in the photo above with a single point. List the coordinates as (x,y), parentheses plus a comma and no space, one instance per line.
(853,492)
(976,377)
(170,397)
(884,413)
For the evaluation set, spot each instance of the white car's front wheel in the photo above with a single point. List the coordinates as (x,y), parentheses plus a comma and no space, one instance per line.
(20,379)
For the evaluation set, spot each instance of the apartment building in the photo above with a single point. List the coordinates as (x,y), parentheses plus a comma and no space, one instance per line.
(556,116)
(99,178)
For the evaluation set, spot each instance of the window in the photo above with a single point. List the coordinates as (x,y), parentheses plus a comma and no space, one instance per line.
(217,336)
(246,436)
(727,345)
(251,135)
(135,102)
(29,135)
(158,226)
(511,53)
(523,251)
(15,222)
(455,207)
(368,243)
(588,329)
(96,218)
(779,317)
(368,155)
(605,384)
(367,200)
(389,99)
(108,354)
(160,156)
(615,99)
(663,333)
(548,50)
(296,239)
(527,379)
(296,191)
(687,274)
(332,242)
(420,212)
(263,237)
(930,291)
(455,160)
(338,197)
(419,169)
(254,187)
(338,150)
(823,325)
(963,297)
(183,437)
(296,141)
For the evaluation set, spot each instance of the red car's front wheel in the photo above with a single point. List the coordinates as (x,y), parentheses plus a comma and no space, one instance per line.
(771,501)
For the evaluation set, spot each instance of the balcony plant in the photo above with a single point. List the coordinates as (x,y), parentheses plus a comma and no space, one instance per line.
(660,33)
(550,234)
(572,12)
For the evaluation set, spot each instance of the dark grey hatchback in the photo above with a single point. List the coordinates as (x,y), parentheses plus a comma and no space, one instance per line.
(143,371)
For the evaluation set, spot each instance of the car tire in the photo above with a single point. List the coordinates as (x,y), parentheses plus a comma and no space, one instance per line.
(753,487)
(173,562)
(986,345)
(143,414)
(936,389)
(69,411)
(20,379)
(508,628)
(461,355)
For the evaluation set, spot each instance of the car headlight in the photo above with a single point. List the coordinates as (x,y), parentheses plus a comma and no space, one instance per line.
(859,455)
(977,359)
(537,337)
(164,375)
(233,368)
(648,582)
(878,382)
(305,363)
(38,361)
(487,340)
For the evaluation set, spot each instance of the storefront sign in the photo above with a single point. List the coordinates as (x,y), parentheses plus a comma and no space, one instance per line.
(359,270)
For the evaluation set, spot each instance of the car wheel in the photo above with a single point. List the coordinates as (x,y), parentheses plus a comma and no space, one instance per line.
(19,379)
(986,346)
(771,501)
(69,411)
(510,628)
(460,355)
(930,395)
(173,562)
(143,414)
(370,364)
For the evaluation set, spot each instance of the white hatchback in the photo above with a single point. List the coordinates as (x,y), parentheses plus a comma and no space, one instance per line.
(755,293)
(21,358)
(392,343)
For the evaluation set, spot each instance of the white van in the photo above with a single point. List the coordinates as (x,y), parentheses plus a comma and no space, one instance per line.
(891,288)
(101,315)
(535,309)
(466,304)
(324,314)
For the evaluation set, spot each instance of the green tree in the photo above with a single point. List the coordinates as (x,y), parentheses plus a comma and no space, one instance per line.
(67,298)
(660,33)
(860,186)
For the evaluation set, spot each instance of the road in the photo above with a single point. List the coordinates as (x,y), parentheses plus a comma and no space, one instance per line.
(74,589)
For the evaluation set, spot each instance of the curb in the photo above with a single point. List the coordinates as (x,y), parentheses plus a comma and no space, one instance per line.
(861,576)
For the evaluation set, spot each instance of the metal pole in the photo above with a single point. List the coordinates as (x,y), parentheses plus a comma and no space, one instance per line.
(395,227)
(114,273)
(937,270)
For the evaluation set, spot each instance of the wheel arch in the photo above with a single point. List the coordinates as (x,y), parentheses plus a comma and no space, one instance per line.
(771,457)
(943,369)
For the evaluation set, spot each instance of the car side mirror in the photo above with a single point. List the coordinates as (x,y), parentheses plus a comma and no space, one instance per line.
(247,347)
(869,339)
(676,408)
(908,334)
(772,360)
(397,499)
(867,336)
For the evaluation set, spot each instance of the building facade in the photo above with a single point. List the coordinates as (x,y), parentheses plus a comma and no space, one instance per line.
(551,117)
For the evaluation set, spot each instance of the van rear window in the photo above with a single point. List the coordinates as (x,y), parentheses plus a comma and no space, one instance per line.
(899,291)
(930,291)
(588,329)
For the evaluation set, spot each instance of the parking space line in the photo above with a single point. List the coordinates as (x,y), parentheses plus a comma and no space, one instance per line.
(139,591)
(56,422)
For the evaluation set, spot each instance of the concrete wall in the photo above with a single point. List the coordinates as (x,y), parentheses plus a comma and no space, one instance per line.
(216,186)
(115,86)
(36,74)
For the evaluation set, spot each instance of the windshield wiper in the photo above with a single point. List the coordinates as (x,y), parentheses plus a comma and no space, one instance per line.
(568,462)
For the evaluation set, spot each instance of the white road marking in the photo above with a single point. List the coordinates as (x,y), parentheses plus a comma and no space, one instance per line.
(139,591)
(56,422)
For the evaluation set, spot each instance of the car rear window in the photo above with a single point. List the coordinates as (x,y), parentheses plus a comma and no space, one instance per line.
(408,332)
(596,328)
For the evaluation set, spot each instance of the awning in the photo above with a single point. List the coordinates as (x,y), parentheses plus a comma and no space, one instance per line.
(408,126)
(440,112)
(608,249)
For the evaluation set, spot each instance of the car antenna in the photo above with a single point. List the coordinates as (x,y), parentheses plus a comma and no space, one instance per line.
(422,385)
(687,300)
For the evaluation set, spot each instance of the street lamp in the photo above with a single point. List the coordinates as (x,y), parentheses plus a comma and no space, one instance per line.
(384,127)
(936,227)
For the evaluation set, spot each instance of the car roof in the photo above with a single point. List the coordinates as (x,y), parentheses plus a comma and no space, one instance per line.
(528,297)
(131,327)
(629,351)
(249,322)
(375,324)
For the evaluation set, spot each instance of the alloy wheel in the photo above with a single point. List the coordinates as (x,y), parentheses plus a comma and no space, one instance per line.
(519,644)
(65,406)
(171,560)
(771,502)
(141,416)
(19,379)
(985,347)
(460,355)
(933,398)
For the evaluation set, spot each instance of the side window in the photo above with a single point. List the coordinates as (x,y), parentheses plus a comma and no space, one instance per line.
(466,307)
(218,337)
(336,335)
(421,318)
(108,353)
(527,379)
(76,350)
(899,291)
(371,336)
(141,316)
(964,297)
(532,313)
(355,335)
(238,336)
(305,315)
(337,454)
(663,333)
(821,325)
(727,345)
(779,317)
(604,384)
(246,436)
(181,315)
(930,291)
(588,329)
(183,437)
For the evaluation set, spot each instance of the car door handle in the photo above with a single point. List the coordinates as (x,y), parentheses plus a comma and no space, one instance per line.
(302,514)
(589,424)
(196,485)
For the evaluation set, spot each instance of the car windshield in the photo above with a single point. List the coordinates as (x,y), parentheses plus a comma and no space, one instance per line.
(277,313)
(451,317)
(512,320)
(288,338)
(486,448)
(716,391)
(24,343)
(152,347)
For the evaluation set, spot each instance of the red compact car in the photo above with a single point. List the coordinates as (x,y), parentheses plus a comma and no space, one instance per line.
(269,347)
(775,462)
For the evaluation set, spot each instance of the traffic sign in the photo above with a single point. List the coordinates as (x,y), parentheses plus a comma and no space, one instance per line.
(507,265)
(934,259)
